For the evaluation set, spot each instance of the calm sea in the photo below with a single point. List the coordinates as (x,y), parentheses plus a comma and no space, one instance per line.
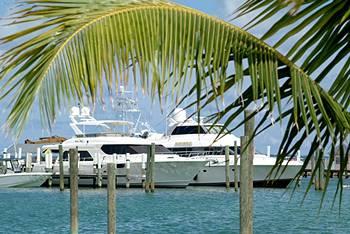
(191,210)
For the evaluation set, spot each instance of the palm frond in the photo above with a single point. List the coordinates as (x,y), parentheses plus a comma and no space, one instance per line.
(323,43)
(74,47)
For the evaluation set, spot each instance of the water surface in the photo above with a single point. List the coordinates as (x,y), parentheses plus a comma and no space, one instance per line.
(191,210)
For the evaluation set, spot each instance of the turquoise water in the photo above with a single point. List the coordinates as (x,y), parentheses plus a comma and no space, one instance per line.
(191,210)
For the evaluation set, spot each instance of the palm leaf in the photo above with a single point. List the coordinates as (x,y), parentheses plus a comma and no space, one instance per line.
(322,28)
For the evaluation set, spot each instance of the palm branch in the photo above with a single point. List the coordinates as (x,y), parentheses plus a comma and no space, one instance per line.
(322,32)
(73,50)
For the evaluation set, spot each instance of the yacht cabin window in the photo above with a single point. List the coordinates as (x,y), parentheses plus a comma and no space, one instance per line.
(183,130)
(193,151)
(131,149)
(83,155)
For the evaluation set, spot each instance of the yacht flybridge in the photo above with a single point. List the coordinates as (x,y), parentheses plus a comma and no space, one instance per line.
(189,138)
(129,152)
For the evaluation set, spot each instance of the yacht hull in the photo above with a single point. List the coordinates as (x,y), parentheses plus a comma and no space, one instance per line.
(23,179)
(169,174)
(214,175)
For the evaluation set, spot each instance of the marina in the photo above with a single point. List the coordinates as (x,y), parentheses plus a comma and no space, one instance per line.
(174,116)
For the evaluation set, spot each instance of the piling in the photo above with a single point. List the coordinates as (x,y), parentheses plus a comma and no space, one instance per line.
(38,154)
(48,165)
(313,167)
(149,184)
(235,170)
(153,154)
(28,162)
(246,177)
(73,171)
(60,150)
(127,171)
(268,151)
(111,201)
(143,171)
(316,171)
(227,166)
(148,164)
(19,152)
(99,170)
(321,173)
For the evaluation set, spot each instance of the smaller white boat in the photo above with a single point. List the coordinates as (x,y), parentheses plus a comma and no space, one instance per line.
(11,175)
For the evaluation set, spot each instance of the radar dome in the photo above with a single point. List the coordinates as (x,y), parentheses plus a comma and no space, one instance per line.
(179,115)
(74,111)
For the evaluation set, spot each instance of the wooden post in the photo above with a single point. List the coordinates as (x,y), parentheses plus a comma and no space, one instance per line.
(127,166)
(28,162)
(153,154)
(20,153)
(346,171)
(38,154)
(235,172)
(48,164)
(149,185)
(99,170)
(60,150)
(111,172)
(227,166)
(148,170)
(321,173)
(312,167)
(246,177)
(317,171)
(143,171)
(73,171)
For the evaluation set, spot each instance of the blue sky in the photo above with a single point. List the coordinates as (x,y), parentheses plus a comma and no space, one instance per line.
(218,8)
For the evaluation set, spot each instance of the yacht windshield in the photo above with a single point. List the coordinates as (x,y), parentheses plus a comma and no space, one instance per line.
(216,129)
(182,130)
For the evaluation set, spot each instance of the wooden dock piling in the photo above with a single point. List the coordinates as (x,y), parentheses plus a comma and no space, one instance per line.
(321,173)
(28,162)
(111,184)
(143,171)
(73,171)
(127,170)
(19,153)
(60,151)
(246,176)
(227,166)
(153,154)
(38,155)
(149,185)
(99,170)
(313,167)
(235,172)
(316,170)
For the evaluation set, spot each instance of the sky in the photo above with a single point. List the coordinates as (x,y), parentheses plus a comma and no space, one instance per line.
(151,111)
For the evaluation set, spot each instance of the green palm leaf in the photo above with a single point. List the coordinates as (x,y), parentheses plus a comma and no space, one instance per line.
(322,28)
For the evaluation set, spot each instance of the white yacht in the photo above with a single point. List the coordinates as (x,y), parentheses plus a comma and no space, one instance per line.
(11,175)
(187,137)
(170,170)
